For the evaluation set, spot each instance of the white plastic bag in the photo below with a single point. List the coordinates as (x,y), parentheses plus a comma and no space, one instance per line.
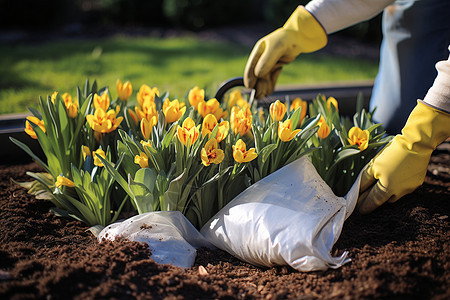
(290,217)
(170,236)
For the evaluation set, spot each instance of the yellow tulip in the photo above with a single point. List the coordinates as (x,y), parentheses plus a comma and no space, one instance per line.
(104,122)
(86,151)
(209,122)
(359,137)
(262,115)
(124,90)
(146,144)
(146,93)
(196,96)
(188,132)
(71,106)
(222,131)
(173,110)
(63,181)
(324,129)
(332,100)
(212,106)
(67,98)
(277,111)
(147,126)
(236,98)
(240,153)
(72,109)
(211,153)
(102,101)
(141,160)
(29,130)
(241,120)
(298,102)
(97,161)
(285,131)
(53,97)
(147,110)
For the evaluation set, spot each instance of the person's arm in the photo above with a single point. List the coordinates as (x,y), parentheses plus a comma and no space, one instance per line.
(438,95)
(402,165)
(335,15)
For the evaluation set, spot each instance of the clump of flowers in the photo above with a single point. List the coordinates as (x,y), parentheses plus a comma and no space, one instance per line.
(193,155)
(344,146)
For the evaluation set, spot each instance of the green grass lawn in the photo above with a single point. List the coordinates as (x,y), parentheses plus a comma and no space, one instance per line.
(173,64)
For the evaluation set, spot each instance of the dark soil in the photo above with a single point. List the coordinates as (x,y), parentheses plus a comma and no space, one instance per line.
(401,251)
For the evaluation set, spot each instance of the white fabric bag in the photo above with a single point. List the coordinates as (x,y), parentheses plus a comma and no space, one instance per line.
(170,236)
(290,217)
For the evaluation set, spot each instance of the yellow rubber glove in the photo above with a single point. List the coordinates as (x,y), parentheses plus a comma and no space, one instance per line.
(402,165)
(302,33)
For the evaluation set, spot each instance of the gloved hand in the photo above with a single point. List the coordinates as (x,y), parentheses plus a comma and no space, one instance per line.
(302,33)
(402,165)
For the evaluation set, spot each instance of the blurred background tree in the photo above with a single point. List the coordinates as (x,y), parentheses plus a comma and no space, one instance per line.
(183,14)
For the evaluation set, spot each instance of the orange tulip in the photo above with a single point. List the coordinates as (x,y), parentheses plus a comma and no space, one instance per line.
(298,102)
(324,129)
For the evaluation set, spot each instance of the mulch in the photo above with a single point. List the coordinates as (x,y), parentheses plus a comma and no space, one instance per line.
(401,251)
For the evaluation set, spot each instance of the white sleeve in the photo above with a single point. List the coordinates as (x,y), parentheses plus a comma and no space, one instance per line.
(438,96)
(335,15)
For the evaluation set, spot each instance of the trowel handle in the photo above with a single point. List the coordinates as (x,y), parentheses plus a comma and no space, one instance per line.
(227,85)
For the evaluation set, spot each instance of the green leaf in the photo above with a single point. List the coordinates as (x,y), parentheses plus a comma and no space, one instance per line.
(86,88)
(30,153)
(129,142)
(257,136)
(266,151)
(112,170)
(169,135)
(268,133)
(343,154)
(76,176)
(35,112)
(296,117)
(176,196)
(141,195)
(147,177)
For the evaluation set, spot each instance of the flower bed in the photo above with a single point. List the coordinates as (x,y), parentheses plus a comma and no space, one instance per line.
(399,251)
(193,155)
